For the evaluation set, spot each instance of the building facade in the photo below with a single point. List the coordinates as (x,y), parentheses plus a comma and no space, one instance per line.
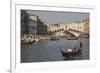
(33,24)
(36,26)
(24,22)
(86,27)
(42,28)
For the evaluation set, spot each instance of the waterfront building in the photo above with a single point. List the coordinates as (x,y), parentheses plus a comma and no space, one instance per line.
(42,28)
(33,22)
(36,26)
(24,22)
(86,26)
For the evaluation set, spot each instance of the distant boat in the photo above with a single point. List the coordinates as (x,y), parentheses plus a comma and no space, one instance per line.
(54,38)
(84,36)
(28,41)
(72,38)
(70,52)
(37,40)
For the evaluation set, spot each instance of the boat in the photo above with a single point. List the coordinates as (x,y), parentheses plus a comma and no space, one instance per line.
(70,52)
(37,40)
(54,38)
(72,38)
(27,41)
(84,36)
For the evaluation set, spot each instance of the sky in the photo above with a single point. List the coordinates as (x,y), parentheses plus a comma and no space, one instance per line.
(52,17)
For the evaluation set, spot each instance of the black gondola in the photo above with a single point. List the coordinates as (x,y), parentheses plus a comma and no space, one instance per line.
(70,52)
(65,54)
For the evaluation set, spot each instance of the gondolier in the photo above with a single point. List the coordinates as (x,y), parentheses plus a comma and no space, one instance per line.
(81,44)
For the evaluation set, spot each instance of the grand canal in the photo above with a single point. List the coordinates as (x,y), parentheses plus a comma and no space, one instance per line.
(47,50)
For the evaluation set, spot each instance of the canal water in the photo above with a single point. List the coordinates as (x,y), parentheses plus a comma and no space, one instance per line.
(47,50)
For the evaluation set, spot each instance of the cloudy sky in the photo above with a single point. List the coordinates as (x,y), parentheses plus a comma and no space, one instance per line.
(58,17)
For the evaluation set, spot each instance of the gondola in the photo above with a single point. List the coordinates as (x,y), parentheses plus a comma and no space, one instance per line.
(70,52)
(65,54)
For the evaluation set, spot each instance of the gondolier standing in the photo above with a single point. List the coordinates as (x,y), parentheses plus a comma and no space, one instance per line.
(80,43)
